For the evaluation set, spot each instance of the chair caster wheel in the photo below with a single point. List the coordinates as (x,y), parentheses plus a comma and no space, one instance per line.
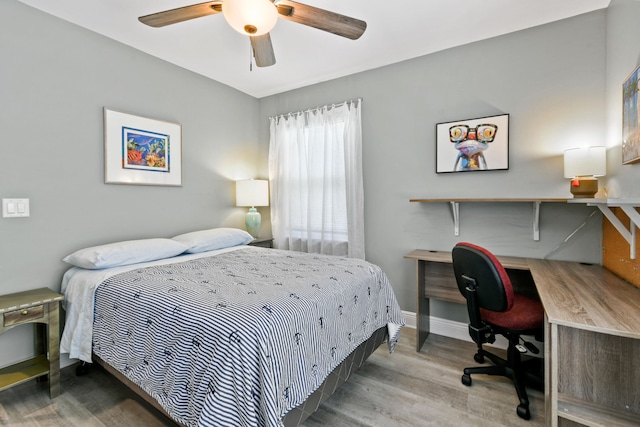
(466,379)
(478,358)
(523,412)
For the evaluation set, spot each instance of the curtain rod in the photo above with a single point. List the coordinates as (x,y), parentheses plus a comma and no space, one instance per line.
(318,108)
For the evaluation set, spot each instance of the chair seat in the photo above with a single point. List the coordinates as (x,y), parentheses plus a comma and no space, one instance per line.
(526,313)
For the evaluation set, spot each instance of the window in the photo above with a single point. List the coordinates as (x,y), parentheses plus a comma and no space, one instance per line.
(315,169)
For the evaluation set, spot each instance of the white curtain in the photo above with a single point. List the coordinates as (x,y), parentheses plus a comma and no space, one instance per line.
(315,172)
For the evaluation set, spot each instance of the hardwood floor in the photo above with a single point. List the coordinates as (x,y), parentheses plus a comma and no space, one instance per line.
(405,388)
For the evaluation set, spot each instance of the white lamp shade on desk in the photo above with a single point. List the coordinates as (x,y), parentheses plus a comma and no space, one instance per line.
(252,193)
(585,161)
(582,166)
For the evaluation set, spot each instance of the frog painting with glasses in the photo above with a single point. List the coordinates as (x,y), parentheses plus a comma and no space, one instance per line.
(471,142)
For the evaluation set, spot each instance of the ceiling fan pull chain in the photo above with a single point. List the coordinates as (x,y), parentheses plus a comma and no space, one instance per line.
(250,58)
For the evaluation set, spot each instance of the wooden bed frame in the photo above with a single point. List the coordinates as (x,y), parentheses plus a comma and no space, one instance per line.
(297,415)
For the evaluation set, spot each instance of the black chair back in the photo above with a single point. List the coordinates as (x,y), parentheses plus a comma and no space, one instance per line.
(477,268)
(484,283)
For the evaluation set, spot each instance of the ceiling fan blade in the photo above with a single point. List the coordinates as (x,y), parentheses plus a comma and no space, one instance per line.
(263,50)
(180,14)
(321,19)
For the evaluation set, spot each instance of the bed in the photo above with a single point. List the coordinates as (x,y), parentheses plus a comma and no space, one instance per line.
(229,334)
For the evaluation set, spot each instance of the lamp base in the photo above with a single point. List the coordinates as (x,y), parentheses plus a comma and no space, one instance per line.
(584,188)
(252,221)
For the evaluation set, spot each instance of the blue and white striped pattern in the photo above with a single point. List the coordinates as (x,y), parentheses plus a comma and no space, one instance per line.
(240,338)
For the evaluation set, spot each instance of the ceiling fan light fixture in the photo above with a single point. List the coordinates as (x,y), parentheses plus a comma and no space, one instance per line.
(250,17)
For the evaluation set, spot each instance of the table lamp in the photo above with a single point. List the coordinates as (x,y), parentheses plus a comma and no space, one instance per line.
(582,166)
(252,193)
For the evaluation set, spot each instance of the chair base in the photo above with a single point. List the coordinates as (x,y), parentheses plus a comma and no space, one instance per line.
(521,373)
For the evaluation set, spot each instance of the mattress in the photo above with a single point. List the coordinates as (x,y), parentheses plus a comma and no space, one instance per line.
(237,337)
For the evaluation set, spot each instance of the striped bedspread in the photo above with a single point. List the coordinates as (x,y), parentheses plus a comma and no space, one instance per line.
(240,338)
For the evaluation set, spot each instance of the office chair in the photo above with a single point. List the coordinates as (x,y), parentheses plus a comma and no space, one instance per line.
(495,309)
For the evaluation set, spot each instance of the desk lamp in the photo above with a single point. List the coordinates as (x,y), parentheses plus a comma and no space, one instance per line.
(252,192)
(582,166)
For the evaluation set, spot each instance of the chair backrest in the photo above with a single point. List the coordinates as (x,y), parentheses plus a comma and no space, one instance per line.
(477,267)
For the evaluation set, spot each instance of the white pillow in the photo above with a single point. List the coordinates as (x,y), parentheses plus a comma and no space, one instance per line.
(124,253)
(215,238)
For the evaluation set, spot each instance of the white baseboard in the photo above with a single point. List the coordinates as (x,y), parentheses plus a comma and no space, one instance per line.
(449,328)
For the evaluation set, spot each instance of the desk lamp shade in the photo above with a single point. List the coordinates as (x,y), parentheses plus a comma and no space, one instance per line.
(582,166)
(252,193)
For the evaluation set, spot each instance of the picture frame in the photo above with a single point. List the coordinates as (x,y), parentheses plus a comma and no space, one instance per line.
(630,128)
(458,148)
(141,151)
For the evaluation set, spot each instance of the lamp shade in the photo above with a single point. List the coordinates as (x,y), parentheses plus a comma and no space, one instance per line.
(250,17)
(585,161)
(252,192)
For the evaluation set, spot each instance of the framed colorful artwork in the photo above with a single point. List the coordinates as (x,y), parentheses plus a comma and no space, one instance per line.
(630,111)
(141,151)
(480,144)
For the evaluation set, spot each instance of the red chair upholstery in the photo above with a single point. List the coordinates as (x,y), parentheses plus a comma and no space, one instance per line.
(494,308)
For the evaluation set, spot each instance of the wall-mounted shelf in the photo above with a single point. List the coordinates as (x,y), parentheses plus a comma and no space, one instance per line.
(455,209)
(628,206)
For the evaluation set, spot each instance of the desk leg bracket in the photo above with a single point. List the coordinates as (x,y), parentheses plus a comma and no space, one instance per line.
(536,220)
(628,235)
(455,211)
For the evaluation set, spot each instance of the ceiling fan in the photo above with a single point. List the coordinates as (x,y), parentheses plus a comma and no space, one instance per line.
(256,18)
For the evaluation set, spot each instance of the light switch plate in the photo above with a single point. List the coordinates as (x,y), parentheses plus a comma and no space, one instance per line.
(15,208)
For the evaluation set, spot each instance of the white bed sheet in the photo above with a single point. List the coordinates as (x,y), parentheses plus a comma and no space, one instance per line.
(79,286)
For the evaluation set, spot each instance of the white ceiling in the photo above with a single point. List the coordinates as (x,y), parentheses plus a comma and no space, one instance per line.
(396,31)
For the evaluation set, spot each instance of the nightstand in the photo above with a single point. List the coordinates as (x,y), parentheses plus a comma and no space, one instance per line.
(263,242)
(40,307)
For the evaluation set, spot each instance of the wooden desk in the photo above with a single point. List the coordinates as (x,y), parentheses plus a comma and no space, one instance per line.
(434,274)
(592,334)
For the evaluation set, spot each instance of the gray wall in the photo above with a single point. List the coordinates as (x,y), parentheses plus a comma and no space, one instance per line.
(550,79)
(55,80)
